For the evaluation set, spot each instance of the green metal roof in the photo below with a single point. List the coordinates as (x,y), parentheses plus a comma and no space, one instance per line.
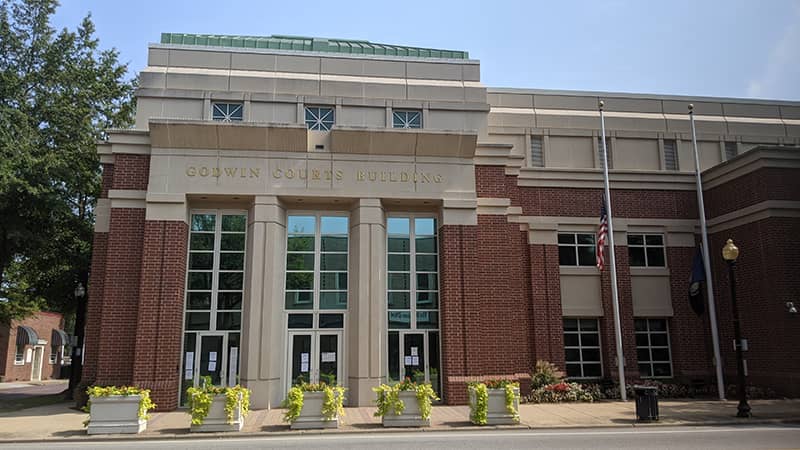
(309,44)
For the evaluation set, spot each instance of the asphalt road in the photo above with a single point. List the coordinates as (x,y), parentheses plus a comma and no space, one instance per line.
(732,437)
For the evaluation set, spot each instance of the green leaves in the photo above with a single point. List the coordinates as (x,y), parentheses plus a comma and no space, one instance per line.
(58,93)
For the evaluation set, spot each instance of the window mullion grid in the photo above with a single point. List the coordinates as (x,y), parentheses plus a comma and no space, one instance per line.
(412,267)
(215,271)
(317,262)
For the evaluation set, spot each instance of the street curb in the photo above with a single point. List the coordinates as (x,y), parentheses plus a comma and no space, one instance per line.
(475,429)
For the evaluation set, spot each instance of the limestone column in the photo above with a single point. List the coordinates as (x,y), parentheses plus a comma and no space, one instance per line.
(263,335)
(366,325)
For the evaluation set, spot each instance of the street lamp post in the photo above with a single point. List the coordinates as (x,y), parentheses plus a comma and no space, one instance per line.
(730,252)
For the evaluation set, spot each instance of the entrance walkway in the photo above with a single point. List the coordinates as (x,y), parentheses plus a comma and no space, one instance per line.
(59,421)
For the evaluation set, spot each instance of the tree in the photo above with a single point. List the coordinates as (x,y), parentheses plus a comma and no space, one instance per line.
(58,93)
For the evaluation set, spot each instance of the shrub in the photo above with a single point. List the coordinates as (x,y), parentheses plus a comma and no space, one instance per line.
(561,392)
(389,398)
(545,373)
(332,403)
(200,399)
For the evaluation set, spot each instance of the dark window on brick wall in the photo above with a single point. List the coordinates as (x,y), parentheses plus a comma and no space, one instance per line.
(652,348)
(576,249)
(582,348)
(646,250)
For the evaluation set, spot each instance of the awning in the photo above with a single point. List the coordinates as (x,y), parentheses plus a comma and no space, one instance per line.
(26,336)
(59,338)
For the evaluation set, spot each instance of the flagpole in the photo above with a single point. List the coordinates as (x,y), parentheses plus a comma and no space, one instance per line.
(614,291)
(712,313)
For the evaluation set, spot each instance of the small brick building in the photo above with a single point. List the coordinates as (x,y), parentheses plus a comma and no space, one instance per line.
(33,349)
(291,210)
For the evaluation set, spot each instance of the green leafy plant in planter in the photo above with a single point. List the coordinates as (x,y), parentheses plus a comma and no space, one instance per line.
(332,403)
(200,399)
(389,398)
(145,402)
(479,410)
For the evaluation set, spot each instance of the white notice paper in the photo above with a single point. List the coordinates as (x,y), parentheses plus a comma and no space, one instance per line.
(304,357)
(415,360)
(328,357)
(189,366)
(414,351)
(234,360)
(304,367)
(212,366)
(212,356)
(407,361)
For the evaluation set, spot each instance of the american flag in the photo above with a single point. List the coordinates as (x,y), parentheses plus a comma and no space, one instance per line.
(602,234)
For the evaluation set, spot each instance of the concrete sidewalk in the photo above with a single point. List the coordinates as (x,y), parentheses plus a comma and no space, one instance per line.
(60,421)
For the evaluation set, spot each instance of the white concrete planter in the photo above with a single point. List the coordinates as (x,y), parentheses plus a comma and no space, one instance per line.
(410,417)
(115,414)
(217,418)
(311,414)
(497,414)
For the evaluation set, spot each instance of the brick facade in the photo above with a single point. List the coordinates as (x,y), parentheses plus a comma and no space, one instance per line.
(43,323)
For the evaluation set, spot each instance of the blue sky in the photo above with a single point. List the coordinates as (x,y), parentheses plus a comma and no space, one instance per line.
(722,48)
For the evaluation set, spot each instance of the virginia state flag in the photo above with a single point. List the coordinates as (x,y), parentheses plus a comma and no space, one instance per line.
(696,284)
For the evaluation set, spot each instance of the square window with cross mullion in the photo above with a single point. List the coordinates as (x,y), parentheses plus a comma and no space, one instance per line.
(653,348)
(582,348)
(576,249)
(227,112)
(404,118)
(646,250)
(319,118)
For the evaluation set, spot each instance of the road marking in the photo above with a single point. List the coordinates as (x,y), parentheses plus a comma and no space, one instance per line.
(463,434)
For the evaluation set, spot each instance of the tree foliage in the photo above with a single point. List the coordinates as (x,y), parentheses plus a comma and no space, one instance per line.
(58,92)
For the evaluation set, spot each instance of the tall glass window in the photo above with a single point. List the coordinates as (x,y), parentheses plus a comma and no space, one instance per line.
(413,299)
(214,295)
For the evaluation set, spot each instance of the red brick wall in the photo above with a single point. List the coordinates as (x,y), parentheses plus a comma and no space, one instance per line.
(107,180)
(159,333)
(690,335)
(43,323)
(131,171)
(757,186)
(766,278)
(120,296)
(547,327)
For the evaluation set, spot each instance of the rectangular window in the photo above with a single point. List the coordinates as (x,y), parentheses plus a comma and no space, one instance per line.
(537,152)
(731,150)
(582,348)
(652,348)
(406,118)
(576,249)
(646,250)
(670,154)
(608,150)
(227,112)
(316,262)
(319,118)
(19,355)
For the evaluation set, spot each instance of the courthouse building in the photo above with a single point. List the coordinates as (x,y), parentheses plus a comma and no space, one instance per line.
(291,209)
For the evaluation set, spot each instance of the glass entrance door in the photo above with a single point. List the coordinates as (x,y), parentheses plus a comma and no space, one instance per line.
(211,361)
(414,355)
(314,357)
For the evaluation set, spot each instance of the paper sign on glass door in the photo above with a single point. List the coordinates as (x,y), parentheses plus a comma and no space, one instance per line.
(328,357)
(189,365)
(212,356)
(234,361)
(407,360)
(414,351)
(415,360)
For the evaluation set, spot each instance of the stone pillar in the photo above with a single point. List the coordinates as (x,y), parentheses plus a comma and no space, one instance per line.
(263,333)
(366,324)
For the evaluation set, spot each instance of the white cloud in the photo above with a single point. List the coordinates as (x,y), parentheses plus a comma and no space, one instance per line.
(780,78)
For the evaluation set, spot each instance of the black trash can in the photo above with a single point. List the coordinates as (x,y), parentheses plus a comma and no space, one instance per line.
(646,403)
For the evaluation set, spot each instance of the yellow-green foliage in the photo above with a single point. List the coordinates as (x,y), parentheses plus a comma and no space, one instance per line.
(479,409)
(200,399)
(145,403)
(332,402)
(389,398)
